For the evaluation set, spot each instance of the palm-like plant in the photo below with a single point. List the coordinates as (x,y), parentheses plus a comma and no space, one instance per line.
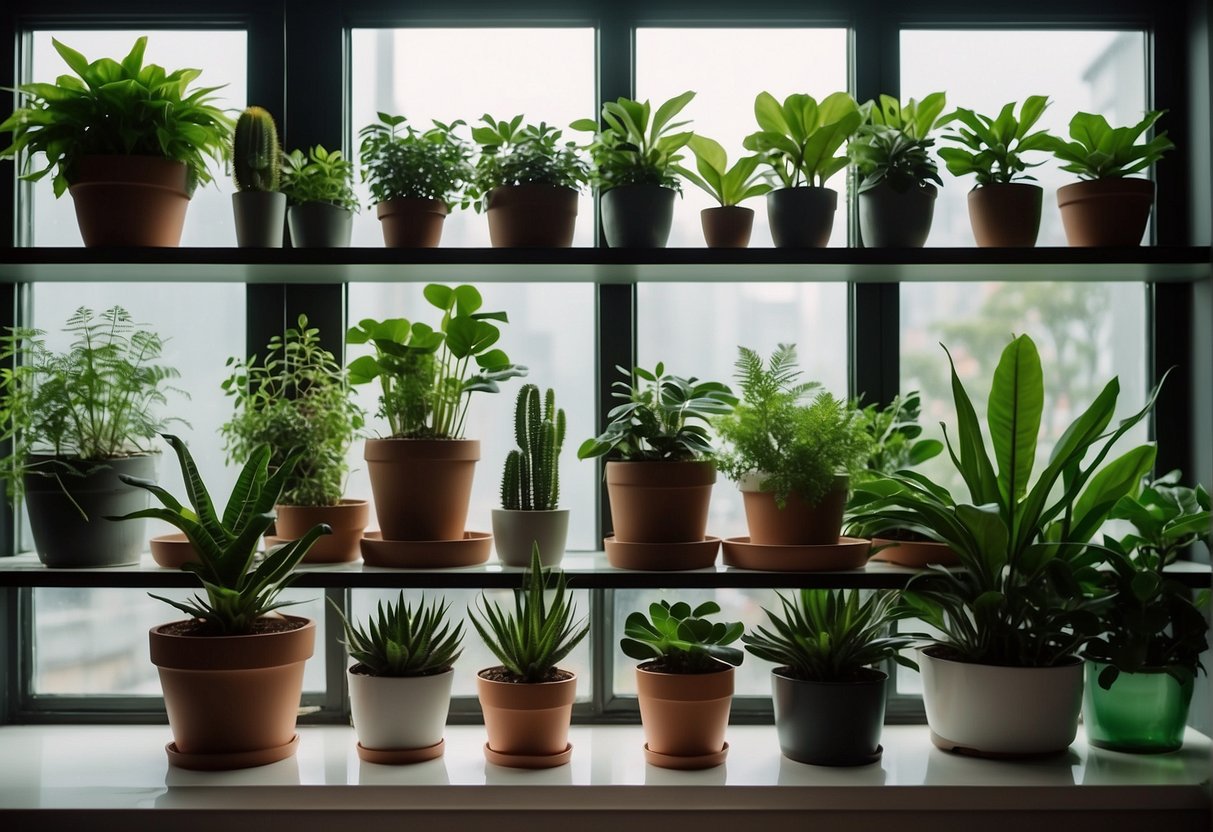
(402,640)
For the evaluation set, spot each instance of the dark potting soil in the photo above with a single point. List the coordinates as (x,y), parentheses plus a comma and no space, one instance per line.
(262,626)
(500,674)
(658,666)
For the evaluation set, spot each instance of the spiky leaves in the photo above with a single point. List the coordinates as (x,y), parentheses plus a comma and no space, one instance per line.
(531,481)
(256,154)
(678,639)
(403,640)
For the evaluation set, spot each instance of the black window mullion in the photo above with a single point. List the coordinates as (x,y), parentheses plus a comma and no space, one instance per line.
(616,325)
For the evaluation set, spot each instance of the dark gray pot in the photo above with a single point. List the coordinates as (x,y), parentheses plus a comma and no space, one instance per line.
(829,723)
(260,218)
(320,225)
(895,219)
(65,539)
(637,216)
(801,217)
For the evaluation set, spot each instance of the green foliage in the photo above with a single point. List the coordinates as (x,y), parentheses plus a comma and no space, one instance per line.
(427,376)
(117,108)
(797,447)
(1150,622)
(894,431)
(237,591)
(512,153)
(531,481)
(993,148)
(1019,600)
(1100,151)
(296,398)
(800,138)
(94,402)
(434,164)
(677,639)
(256,154)
(663,417)
(831,635)
(540,633)
(727,185)
(321,176)
(916,119)
(892,145)
(402,640)
(636,146)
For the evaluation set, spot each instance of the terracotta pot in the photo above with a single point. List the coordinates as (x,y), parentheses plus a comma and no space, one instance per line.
(260,218)
(637,216)
(348,519)
(660,502)
(400,713)
(527,721)
(798,523)
(914,553)
(320,225)
(801,217)
(896,219)
(515,532)
(422,486)
(229,696)
(1006,215)
(172,551)
(412,222)
(130,200)
(685,714)
(531,216)
(1106,212)
(727,226)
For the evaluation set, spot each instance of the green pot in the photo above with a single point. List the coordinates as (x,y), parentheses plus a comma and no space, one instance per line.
(1143,713)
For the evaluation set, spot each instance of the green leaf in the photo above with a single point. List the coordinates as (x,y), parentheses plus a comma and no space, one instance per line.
(1014,412)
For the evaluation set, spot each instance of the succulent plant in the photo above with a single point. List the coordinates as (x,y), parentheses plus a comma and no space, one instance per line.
(402,640)
(681,640)
(531,481)
(256,154)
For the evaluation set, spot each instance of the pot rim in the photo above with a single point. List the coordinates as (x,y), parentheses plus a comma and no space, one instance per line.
(1072,661)
(801,188)
(728,208)
(346,503)
(349,671)
(1004,185)
(155,629)
(882,678)
(533,511)
(749,483)
(1145,671)
(481,677)
(313,204)
(725,667)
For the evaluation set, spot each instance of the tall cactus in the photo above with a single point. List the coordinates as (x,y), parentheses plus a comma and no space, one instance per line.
(256,153)
(531,481)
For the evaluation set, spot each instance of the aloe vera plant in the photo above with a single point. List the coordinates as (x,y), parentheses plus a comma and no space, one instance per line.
(404,640)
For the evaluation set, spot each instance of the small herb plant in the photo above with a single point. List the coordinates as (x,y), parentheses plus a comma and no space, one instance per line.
(512,153)
(800,138)
(663,417)
(676,639)
(297,397)
(635,145)
(117,108)
(1099,151)
(798,446)
(531,481)
(256,154)
(427,376)
(993,148)
(829,635)
(320,176)
(540,632)
(727,185)
(893,145)
(238,592)
(895,431)
(401,162)
(403,640)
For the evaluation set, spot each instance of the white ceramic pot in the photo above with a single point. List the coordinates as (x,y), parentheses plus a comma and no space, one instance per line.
(1000,711)
(515,532)
(400,712)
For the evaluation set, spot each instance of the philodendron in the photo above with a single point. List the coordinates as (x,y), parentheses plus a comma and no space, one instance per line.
(258,204)
(320,189)
(729,224)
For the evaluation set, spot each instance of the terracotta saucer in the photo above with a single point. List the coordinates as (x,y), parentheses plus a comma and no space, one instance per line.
(662,557)
(847,553)
(172,551)
(916,553)
(528,760)
(681,763)
(474,548)
(400,756)
(236,759)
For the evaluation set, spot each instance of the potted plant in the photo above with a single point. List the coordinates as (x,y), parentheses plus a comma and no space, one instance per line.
(400,683)
(635,156)
(415,177)
(890,152)
(75,422)
(530,485)
(421,474)
(684,684)
(1110,206)
(1141,670)
(232,673)
(130,142)
(1004,210)
(527,181)
(660,475)
(258,205)
(297,398)
(320,189)
(729,224)
(828,688)
(799,140)
(1001,675)
(527,700)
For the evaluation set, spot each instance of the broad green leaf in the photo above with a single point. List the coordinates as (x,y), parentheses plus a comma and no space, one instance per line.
(1015,406)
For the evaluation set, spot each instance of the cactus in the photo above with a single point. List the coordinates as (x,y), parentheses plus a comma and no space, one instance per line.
(531,481)
(255,151)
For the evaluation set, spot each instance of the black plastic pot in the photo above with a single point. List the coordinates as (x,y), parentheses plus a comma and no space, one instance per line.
(801,217)
(320,225)
(829,723)
(63,537)
(260,218)
(896,219)
(637,216)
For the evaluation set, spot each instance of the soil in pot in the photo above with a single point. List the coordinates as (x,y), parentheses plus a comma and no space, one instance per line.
(527,723)
(531,216)
(637,216)
(516,532)
(685,714)
(320,225)
(1106,212)
(131,201)
(347,519)
(798,523)
(829,723)
(896,219)
(1006,214)
(1142,713)
(801,217)
(660,502)
(422,486)
(412,222)
(727,226)
(400,713)
(260,218)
